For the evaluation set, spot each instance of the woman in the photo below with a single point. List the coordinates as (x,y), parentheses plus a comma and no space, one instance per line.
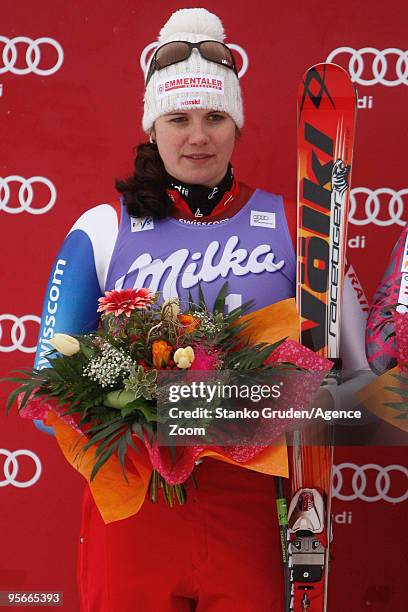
(183,220)
(391,294)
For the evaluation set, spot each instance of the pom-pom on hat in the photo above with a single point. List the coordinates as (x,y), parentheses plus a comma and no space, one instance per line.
(194,82)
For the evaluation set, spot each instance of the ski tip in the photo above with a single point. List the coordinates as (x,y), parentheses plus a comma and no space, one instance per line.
(328,70)
(324,86)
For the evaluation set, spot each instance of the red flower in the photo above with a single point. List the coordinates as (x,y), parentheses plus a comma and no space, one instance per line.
(143,364)
(125,301)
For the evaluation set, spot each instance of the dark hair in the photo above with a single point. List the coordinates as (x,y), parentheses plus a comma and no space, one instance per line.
(144,192)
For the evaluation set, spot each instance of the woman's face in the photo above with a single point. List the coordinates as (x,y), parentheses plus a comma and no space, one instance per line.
(196,145)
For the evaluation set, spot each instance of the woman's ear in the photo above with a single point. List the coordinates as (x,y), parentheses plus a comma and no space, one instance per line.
(237,133)
(152,136)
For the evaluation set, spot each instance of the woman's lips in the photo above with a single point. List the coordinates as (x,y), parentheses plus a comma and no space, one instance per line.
(197,159)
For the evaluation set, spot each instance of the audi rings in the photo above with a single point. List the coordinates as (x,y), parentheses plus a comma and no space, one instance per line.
(379,65)
(32,55)
(150,48)
(25,194)
(18,333)
(379,485)
(11,468)
(372,206)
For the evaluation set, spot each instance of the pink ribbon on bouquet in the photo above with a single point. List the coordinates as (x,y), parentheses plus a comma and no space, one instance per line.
(38,408)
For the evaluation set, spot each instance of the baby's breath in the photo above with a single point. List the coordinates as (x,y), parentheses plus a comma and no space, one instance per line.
(109,366)
(208,324)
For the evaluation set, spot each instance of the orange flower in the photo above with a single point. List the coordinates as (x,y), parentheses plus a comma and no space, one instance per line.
(188,322)
(161,353)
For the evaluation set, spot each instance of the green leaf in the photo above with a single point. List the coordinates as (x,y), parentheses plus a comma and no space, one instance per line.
(26,395)
(398,390)
(103,458)
(219,303)
(173,453)
(86,349)
(99,426)
(136,427)
(403,378)
(121,454)
(12,398)
(16,378)
(191,303)
(397,405)
(106,431)
(105,443)
(146,394)
(129,409)
(148,413)
(149,431)
(25,371)
(239,311)
(151,376)
(119,398)
(201,299)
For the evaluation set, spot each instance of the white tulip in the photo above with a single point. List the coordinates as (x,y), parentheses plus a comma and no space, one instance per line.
(66,345)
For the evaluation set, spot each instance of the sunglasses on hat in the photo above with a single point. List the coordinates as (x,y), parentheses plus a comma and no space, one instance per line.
(180,50)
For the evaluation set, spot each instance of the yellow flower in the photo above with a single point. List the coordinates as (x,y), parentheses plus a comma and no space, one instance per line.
(66,345)
(161,353)
(184,357)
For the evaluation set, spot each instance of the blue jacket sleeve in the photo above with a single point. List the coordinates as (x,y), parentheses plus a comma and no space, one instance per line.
(71,298)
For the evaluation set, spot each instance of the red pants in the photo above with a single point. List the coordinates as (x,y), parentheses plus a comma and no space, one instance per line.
(218,553)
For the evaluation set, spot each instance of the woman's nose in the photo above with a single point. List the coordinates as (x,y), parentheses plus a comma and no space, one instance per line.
(198,136)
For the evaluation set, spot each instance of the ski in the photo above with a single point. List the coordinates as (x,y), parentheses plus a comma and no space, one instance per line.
(327,104)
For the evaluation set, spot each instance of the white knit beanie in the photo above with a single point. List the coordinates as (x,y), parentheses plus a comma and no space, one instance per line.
(200,83)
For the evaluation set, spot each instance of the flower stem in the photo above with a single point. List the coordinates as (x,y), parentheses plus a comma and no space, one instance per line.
(171,493)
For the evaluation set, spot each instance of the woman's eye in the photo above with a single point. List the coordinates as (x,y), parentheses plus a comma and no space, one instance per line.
(180,119)
(215,117)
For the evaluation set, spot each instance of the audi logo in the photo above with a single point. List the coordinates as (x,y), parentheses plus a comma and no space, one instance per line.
(17,333)
(394,207)
(370,482)
(32,55)
(11,468)
(25,194)
(149,50)
(378,65)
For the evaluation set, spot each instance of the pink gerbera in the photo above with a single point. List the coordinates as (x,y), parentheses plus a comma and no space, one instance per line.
(125,301)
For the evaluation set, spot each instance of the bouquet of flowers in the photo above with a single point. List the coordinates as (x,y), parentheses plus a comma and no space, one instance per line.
(106,382)
(100,389)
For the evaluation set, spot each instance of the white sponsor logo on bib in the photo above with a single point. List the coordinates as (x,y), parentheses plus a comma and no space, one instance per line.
(141,224)
(261,218)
